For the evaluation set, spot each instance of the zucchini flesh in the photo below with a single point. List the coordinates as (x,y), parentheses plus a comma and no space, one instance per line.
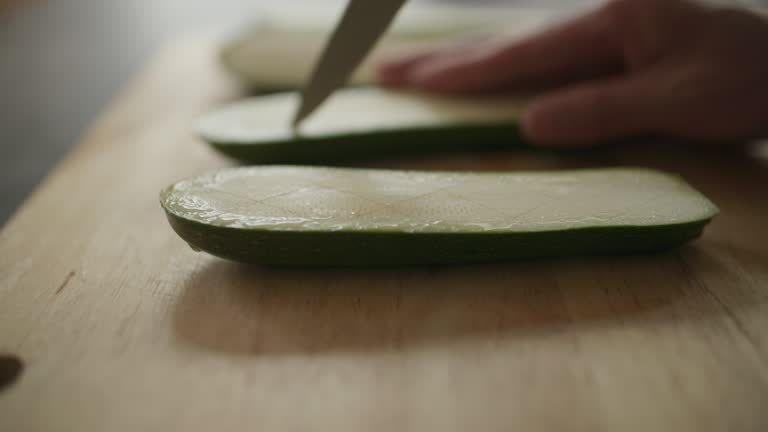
(361,123)
(307,216)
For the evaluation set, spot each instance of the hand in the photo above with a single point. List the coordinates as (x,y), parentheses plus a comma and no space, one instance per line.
(631,67)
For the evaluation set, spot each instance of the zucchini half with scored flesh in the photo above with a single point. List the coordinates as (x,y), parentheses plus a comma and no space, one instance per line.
(313,216)
(360,123)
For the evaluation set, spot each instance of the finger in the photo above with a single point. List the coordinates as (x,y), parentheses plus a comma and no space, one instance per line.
(448,71)
(573,50)
(596,112)
(397,71)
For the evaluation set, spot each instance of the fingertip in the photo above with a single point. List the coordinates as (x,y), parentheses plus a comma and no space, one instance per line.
(454,69)
(392,73)
(538,127)
(433,77)
(388,78)
(396,71)
(450,74)
(551,123)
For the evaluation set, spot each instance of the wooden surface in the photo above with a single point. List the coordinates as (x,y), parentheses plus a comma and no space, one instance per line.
(122,327)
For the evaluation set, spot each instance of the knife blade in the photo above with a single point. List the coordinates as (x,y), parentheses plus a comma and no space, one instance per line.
(361,26)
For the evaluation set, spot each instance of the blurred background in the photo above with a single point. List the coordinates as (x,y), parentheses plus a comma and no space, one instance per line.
(61,61)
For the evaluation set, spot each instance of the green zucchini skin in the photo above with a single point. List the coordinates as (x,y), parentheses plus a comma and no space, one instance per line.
(315,150)
(384,249)
(381,244)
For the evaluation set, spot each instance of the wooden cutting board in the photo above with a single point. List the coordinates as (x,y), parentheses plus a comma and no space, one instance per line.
(122,327)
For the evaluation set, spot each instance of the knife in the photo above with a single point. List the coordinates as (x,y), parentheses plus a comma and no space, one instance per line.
(361,26)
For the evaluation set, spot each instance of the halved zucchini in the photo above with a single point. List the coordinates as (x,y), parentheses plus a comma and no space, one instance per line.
(305,216)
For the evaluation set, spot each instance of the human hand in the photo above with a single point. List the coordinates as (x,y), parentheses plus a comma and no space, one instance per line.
(673,67)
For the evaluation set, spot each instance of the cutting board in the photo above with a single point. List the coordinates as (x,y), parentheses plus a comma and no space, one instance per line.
(122,327)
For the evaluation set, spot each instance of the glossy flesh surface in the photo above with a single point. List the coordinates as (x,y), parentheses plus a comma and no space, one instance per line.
(370,207)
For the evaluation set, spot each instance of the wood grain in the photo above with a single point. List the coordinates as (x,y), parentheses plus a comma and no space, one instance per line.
(122,327)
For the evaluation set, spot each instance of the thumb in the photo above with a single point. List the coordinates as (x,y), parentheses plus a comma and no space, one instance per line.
(590,113)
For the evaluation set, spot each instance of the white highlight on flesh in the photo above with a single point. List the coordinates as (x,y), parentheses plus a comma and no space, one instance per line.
(334,199)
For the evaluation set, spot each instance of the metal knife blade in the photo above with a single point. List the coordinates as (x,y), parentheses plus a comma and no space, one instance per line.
(363,23)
